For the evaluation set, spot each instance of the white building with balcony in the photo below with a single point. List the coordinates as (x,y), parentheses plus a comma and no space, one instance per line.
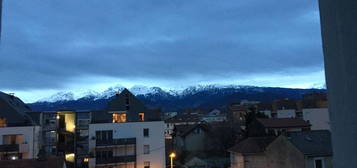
(20,142)
(127,144)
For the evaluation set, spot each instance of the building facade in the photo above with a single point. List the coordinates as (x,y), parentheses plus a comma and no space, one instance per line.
(129,145)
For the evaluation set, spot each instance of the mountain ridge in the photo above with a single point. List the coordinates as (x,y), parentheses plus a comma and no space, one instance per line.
(201,96)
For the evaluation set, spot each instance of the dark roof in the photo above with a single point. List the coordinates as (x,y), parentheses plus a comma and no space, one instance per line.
(183,130)
(283,122)
(252,145)
(317,142)
(52,162)
(284,104)
(119,103)
(184,118)
(14,110)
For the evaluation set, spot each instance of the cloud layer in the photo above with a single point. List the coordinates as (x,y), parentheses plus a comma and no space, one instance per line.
(48,44)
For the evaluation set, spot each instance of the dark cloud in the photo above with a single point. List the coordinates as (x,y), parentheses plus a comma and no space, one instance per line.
(47,44)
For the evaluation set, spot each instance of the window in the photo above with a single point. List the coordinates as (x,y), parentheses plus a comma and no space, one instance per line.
(146,132)
(141,116)
(104,135)
(299,114)
(12,139)
(119,117)
(2,122)
(146,164)
(146,149)
(197,131)
(318,163)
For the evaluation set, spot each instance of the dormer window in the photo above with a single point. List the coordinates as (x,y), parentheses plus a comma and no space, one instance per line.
(119,117)
(2,122)
(141,116)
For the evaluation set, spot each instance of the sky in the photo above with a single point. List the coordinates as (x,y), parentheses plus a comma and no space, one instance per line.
(67,45)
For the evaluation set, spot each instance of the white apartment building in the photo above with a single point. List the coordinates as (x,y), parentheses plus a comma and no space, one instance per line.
(19,142)
(127,145)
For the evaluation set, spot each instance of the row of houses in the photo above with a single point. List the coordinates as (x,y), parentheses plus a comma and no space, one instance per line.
(125,134)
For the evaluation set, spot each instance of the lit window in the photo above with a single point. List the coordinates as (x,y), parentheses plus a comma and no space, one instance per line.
(141,116)
(146,164)
(146,149)
(119,117)
(2,122)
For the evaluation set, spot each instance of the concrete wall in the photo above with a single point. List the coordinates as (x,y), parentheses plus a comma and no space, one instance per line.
(237,160)
(255,161)
(31,137)
(318,117)
(156,139)
(290,113)
(339,25)
(282,154)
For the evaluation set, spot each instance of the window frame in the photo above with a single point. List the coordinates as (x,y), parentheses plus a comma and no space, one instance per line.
(322,162)
(146,149)
(146,132)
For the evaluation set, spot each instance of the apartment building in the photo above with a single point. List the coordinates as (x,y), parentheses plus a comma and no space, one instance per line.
(19,136)
(127,144)
(127,135)
(64,133)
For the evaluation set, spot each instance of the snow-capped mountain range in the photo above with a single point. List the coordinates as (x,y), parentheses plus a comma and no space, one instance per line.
(201,96)
(136,90)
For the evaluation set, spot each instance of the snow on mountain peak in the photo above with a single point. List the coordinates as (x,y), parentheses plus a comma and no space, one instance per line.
(137,90)
(60,96)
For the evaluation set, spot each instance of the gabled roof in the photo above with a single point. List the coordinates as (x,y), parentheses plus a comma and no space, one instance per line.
(317,142)
(283,122)
(14,110)
(252,145)
(119,102)
(183,130)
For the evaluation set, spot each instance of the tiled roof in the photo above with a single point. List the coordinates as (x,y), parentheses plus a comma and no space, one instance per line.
(252,145)
(316,142)
(283,122)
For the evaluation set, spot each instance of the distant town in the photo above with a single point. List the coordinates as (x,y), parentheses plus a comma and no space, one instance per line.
(127,134)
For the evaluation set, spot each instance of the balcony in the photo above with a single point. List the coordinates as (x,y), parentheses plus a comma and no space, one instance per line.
(9,148)
(116,159)
(24,148)
(113,142)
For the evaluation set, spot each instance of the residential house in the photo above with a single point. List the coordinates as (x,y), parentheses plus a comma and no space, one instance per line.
(191,138)
(214,116)
(250,153)
(276,126)
(180,119)
(310,149)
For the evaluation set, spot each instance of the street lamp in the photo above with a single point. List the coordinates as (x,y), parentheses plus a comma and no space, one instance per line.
(172,156)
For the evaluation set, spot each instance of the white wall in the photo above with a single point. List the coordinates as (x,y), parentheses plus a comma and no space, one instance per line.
(319,118)
(156,139)
(290,113)
(30,137)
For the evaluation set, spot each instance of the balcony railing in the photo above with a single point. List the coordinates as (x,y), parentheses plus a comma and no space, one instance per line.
(116,159)
(9,148)
(121,141)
